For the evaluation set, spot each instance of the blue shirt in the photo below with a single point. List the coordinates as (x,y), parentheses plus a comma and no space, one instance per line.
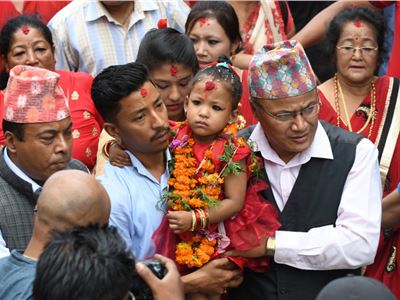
(17,273)
(135,198)
(89,39)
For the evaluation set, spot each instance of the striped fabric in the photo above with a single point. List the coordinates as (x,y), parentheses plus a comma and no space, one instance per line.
(88,39)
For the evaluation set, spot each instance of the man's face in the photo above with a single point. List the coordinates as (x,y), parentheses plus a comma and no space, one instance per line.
(45,149)
(292,136)
(141,124)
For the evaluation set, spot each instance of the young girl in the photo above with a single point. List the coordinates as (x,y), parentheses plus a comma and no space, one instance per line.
(210,207)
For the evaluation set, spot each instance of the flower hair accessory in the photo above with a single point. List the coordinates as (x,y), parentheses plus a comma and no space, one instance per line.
(162,23)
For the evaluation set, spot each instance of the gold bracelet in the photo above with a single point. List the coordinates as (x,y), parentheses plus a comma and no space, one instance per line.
(270,246)
(193,221)
(202,218)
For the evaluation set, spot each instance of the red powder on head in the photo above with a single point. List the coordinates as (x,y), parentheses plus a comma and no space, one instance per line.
(209,85)
(202,21)
(173,70)
(162,23)
(25,29)
(357,23)
(143,92)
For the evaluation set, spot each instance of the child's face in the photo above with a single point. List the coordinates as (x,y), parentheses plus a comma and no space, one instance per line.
(210,41)
(209,109)
(172,81)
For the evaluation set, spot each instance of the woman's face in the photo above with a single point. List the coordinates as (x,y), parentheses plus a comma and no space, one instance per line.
(173,83)
(357,52)
(29,47)
(210,41)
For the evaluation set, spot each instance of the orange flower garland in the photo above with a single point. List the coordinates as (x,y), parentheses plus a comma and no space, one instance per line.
(194,188)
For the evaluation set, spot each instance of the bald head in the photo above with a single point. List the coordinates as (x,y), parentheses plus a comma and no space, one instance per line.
(72,198)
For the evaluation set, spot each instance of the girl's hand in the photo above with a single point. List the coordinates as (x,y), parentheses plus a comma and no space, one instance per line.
(179,221)
(118,157)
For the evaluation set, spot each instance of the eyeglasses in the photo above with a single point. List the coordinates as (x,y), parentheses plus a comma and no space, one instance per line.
(307,112)
(365,51)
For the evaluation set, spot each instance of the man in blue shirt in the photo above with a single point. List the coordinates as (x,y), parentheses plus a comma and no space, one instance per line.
(136,117)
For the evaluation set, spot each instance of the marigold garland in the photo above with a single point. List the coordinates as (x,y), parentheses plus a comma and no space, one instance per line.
(193,188)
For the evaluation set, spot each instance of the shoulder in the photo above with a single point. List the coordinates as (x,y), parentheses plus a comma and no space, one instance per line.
(74,10)
(340,135)
(77,165)
(246,132)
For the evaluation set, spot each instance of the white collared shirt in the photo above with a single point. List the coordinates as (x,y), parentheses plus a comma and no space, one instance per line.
(353,241)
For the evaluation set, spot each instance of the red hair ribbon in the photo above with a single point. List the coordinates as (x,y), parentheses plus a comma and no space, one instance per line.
(25,29)
(162,23)
(209,85)
(173,70)
(143,92)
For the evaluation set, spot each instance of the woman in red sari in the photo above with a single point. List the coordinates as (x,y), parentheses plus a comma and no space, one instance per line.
(359,101)
(25,40)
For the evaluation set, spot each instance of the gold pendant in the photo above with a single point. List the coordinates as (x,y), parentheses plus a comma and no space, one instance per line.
(391,263)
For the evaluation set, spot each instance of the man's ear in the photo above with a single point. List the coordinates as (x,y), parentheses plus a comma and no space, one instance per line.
(254,109)
(112,130)
(9,142)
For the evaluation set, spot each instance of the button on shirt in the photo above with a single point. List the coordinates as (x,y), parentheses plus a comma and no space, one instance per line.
(135,198)
(353,241)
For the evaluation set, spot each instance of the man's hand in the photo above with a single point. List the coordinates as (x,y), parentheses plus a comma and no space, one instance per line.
(258,251)
(179,221)
(168,288)
(118,157)
(213,278)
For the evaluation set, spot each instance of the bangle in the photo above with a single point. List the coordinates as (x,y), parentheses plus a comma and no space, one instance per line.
(270,246)
(193,221)
(207,217)
(196,211)
(106,148)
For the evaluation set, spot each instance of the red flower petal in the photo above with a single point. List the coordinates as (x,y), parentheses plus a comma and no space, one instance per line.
(162,23)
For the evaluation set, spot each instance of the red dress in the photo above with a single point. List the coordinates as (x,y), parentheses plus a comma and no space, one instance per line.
(257,219)
(86,121)
(383,85)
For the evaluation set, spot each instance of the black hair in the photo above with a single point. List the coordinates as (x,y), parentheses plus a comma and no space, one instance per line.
(224,72)
(84,263)
(17,129)
(369,16)
(222,11)
(7,34)
(115,83)
(167,45)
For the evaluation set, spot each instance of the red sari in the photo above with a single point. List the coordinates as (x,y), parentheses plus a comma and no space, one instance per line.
(386,93)
(257,219)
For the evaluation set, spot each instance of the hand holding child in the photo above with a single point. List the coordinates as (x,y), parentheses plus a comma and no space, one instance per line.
(179,221)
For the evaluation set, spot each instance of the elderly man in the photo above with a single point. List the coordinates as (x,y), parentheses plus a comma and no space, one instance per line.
(38,142)
(323,180)
(69,199)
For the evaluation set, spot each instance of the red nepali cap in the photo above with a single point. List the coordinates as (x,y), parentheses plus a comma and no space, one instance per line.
(33,95)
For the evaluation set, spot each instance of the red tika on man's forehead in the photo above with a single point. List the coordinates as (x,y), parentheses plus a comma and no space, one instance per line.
(143,92)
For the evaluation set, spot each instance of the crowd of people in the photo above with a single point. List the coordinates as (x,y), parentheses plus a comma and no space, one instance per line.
(187,150)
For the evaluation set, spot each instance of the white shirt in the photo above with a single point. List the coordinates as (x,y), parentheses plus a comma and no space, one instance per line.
(4,251)
(353,241)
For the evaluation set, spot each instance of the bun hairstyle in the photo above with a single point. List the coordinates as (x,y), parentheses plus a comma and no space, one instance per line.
(223,71)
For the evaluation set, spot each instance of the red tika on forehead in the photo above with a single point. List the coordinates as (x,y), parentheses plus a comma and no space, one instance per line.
(357,24)
(202,21)
(143,92)
(25,29)
(173,70)
(209,85)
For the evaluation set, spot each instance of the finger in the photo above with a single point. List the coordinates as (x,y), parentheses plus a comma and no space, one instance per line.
(167,262)
(147,275)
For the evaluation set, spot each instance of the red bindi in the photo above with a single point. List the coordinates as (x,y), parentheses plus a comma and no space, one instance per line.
(162,23)
(202,21)
(357,23)
(173,70)
(25,29)
(209,85)
(143,92)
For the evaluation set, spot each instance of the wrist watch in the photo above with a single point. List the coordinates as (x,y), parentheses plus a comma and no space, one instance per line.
(270,246)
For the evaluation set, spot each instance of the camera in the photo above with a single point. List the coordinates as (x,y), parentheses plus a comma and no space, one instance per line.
(139,288)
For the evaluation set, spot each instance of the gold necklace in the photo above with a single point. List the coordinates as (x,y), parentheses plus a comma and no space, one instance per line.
(371,114)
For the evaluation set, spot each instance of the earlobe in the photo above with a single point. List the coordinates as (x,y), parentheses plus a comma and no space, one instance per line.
(9,142)
(234,115)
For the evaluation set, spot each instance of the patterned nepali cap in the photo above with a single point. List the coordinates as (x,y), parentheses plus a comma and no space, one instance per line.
(34,96)
(281,70)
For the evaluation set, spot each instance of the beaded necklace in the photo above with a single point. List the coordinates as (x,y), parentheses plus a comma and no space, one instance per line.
(371,113)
